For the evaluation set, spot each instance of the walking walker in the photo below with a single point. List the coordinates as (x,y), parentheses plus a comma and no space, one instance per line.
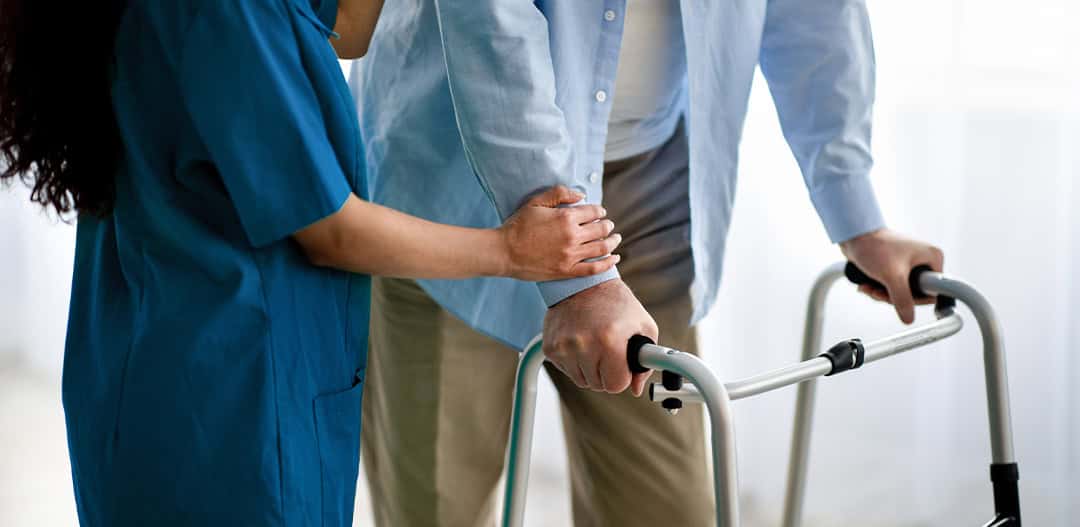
(704,388)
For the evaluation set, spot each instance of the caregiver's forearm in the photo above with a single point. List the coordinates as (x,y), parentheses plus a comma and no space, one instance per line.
(364,237)
(355,24)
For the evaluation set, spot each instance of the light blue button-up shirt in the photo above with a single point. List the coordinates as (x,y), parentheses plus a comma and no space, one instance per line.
(469,106)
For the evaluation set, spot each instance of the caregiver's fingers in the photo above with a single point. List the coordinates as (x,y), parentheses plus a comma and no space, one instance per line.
(598,248)
(595,267)
(555,196)
(596,230)
(585,214)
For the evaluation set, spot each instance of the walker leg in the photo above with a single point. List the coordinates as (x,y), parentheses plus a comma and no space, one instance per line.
(1002,522)
(519,450)
(804,405)
(799,456)
(1004,472)
(718,404)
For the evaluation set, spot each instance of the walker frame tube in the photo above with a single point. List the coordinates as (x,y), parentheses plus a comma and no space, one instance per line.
(808,370)
(804,412)
(705,388)
(1003,470)
(519,450)
(651,356)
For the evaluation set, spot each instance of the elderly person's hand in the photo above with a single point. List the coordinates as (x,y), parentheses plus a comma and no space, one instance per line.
(889,257)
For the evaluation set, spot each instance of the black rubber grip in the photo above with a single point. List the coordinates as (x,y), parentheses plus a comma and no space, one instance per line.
(633,352)
(858,277)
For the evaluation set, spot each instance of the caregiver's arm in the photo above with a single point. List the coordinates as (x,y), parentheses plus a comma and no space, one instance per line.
(539,242)
(354,25)
(818,58)
(503,89)
(272,154)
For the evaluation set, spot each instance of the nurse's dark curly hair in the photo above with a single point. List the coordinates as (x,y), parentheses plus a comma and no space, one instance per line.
(58,132)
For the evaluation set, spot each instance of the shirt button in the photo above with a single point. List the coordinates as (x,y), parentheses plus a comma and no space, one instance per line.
(594,177)
(601,96)
(609,15)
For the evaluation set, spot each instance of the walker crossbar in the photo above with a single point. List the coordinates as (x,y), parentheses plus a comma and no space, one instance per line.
(819,366)
(703,387)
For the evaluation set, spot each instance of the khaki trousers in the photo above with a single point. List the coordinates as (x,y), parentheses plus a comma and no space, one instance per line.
(438,394)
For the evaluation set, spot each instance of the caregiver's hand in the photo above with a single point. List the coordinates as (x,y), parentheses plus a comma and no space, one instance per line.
(545,242)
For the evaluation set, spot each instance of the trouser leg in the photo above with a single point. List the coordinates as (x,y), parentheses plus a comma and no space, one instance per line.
(436,413)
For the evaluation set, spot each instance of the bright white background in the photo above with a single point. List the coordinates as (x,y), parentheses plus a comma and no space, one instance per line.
(976,136)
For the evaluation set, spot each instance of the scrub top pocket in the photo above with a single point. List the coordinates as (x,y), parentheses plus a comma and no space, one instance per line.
(337,427)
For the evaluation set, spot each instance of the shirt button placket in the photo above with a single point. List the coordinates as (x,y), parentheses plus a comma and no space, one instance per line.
(601,97)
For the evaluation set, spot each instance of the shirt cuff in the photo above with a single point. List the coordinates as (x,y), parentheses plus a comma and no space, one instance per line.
(848,208)
(327,12)
(558,290)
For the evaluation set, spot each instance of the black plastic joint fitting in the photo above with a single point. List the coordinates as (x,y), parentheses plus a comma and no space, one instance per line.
(847,355)
(671,403)
(944,303)
(672,381)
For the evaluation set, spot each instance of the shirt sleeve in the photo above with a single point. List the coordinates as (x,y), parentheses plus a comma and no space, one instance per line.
(327,11)
(254,106)
(502,83)
(818,58)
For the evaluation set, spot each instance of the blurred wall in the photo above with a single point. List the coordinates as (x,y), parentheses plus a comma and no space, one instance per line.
(35,283)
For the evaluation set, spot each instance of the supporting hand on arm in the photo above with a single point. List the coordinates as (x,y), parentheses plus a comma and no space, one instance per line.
(539,242)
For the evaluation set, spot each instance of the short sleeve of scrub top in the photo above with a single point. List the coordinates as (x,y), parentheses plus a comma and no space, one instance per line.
(270,144)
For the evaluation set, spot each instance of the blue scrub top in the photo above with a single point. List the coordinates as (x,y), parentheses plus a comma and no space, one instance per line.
(212,375)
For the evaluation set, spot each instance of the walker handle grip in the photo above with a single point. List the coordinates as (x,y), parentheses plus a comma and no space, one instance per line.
(633,352)
(858,277)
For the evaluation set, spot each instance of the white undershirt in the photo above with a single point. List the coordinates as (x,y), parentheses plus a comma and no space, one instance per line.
(649,80)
